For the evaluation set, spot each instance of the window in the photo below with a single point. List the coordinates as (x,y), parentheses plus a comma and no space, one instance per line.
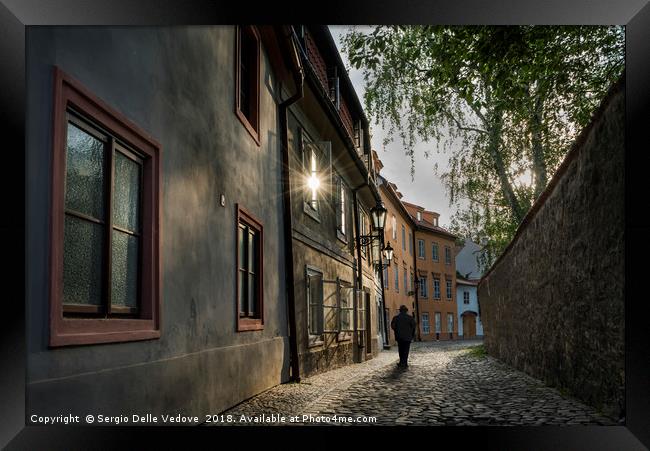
(434,252)
(423,287)
(410,243)
(393,223)
(406,275)
(333,81)
(397,279)
(425,324)
(358,136)
(364,298)
(447,255)
(313,181)
(411,281)
(419,215)
(435,222)
(315,301)
(437,322)
(316,160)
(386,277)
(104,268)
(421,249)
(466,297)
(247,79)
(341,210)
(249,272)
(436,287)
(346,306)
(448,282)
(450,322)
(403,237)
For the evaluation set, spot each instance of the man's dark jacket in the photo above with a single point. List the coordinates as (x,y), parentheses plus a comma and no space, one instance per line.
(404,326)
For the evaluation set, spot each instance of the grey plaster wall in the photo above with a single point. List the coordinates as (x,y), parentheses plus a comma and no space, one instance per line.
(178,85)
(553,306)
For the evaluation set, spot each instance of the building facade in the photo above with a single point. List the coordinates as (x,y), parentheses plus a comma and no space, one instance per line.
(337,294)
(422,274)
(469,314)
(179,259)
(435,276)
(399,275)
(468,276)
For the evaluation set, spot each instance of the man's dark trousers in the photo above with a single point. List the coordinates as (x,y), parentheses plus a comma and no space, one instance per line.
(403,350)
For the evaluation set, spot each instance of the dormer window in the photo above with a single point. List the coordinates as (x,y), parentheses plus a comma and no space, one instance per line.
(419,216)
(333,81)
(358,136)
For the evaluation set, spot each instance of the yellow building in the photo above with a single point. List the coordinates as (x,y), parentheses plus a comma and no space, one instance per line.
(436,276)
(399,280)
(423,257)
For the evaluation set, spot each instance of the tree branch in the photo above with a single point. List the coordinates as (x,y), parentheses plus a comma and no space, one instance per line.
(462,127)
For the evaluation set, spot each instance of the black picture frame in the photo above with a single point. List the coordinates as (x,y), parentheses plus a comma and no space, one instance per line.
(15,15)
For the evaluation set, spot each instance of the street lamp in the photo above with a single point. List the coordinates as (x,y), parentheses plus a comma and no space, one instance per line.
(374,239)
(388,253)
(378,213)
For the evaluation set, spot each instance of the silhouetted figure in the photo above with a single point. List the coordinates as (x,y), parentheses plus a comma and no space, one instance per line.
(404,327)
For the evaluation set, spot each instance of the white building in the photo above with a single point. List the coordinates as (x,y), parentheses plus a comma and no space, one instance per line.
(468,276)
(469,320)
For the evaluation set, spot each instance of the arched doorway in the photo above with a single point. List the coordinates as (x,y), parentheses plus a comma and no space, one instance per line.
(469,324)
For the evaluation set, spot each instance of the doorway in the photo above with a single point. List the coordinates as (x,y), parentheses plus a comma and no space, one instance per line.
(469,325)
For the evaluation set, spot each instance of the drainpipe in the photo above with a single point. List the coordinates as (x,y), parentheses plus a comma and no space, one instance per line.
(416,287)
(359,278)
(288,227)
(383,293)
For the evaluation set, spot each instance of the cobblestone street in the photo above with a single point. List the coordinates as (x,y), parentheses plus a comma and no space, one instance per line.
(445,384)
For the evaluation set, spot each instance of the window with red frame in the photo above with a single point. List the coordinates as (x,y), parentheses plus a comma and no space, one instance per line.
(247,76)
(105,223)
(249,272)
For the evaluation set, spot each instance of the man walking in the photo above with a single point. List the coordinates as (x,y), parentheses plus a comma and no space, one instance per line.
(404,327)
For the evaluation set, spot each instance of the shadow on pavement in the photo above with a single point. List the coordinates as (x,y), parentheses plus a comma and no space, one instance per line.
(396,373)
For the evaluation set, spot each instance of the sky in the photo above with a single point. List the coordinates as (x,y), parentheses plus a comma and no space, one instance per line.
(426,189)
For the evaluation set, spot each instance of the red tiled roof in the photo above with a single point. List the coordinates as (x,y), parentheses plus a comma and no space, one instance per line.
(412,209)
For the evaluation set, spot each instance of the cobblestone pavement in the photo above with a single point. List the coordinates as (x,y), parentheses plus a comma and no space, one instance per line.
(445,384)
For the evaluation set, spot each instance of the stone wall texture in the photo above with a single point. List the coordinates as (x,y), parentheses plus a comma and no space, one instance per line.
(553,304)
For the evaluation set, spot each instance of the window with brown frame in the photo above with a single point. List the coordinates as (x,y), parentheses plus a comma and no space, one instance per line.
(314,291)
(247,79)
(250,242)
(105,275)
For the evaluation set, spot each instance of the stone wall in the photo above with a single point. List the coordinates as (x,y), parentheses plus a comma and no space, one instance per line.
(552,305)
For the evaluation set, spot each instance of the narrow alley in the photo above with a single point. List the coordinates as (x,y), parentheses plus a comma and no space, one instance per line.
(447,383)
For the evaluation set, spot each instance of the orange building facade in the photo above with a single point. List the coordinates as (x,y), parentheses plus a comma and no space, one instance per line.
(422,273)
(399,282)
(436,276)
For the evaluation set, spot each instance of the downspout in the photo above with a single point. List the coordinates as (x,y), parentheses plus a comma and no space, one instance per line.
(383,294)
(416,287)
(359,279)
(288,227)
